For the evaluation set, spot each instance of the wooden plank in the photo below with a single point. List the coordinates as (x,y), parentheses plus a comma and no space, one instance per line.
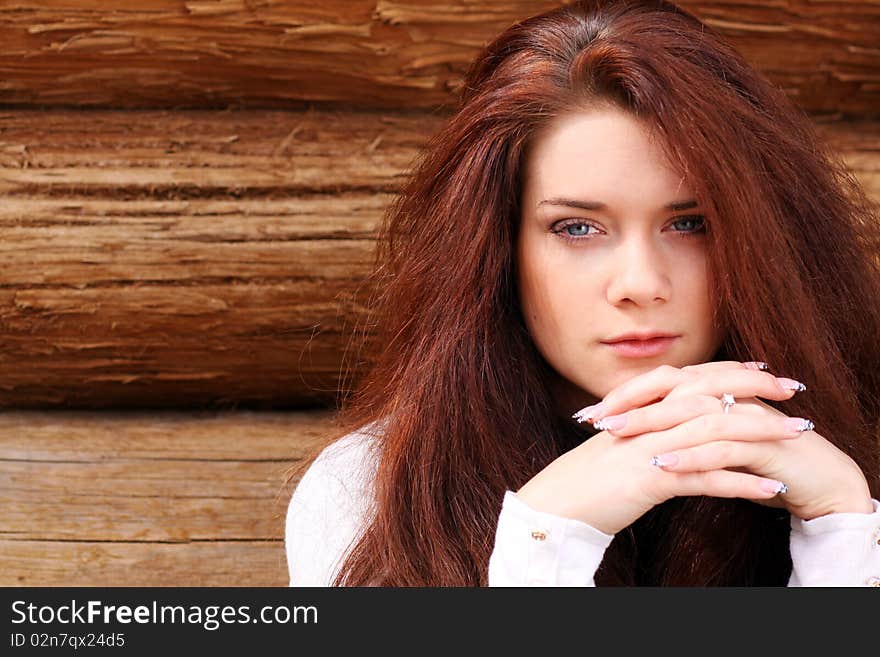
(147,270)
(86,436)
(200,53)
(858,145)
(84,563)
(162,501)
(207,154)
(197,285)
(149,499)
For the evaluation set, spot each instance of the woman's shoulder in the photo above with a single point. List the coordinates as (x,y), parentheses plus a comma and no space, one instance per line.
(353,452)
(347,463)
(330,504)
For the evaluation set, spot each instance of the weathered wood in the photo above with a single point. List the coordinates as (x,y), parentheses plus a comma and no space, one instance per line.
(858,144)
(148,499)
(198,53)
(188,258)
(168,501)
(85,563)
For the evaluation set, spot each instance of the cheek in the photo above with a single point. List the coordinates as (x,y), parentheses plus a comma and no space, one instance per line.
(549,302)
(697,302)
(537,303)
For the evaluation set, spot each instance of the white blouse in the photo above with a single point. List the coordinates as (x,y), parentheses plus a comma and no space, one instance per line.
(333,500)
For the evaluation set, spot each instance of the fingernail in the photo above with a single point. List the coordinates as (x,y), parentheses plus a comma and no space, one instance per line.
(798,424)
(589,412)
(773,486)
(664,460)
(791,384)
(755,365)
(610,423)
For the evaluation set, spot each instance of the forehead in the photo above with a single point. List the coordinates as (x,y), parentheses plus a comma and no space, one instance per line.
(605,152)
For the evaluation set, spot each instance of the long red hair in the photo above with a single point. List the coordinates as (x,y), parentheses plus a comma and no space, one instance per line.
(792,246)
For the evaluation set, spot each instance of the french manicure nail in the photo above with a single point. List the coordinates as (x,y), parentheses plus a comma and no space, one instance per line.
(610,423)
(791,384)
(798,424)
(773,486)
(589,412)
(662,460)
(755,365)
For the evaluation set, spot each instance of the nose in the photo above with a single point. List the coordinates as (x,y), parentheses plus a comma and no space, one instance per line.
(640,274)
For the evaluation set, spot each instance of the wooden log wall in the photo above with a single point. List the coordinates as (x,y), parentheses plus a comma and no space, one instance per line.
(148,499)
(385,53)
(159,258)
(191,193)
(186,258)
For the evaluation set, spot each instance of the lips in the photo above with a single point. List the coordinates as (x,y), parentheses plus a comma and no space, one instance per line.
(640,337)
(642,348)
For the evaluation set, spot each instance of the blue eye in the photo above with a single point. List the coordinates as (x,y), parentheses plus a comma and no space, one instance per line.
(696,231)
(583,227)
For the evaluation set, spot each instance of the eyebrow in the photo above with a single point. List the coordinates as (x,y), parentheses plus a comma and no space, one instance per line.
(596,205)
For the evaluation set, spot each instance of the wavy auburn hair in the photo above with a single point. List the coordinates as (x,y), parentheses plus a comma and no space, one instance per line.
(468,400)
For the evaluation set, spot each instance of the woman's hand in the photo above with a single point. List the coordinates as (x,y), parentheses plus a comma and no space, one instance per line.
(609,481)
(821,479)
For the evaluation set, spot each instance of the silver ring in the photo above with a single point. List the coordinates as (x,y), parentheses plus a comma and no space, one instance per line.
(727,401)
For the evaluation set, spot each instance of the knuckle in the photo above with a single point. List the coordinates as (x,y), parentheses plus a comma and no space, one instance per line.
(721,482)
(709,404)
(659,488)
(724,451)
(697,482)
(766,461)
(682,406)
(707,423)
(680,390)
(709,479)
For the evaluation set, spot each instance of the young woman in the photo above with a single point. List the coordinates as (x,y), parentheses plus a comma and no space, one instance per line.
(621,215)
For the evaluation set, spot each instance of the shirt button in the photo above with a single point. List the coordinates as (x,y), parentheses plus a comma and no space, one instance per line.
(539,535)
(873,581)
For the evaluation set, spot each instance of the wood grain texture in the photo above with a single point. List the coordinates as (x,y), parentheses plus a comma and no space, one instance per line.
(187,258)
(385,53)
(149,499)
(857,143)
(88,563)
(174,259)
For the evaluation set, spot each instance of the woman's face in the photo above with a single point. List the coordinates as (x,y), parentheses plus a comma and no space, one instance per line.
(634,265)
